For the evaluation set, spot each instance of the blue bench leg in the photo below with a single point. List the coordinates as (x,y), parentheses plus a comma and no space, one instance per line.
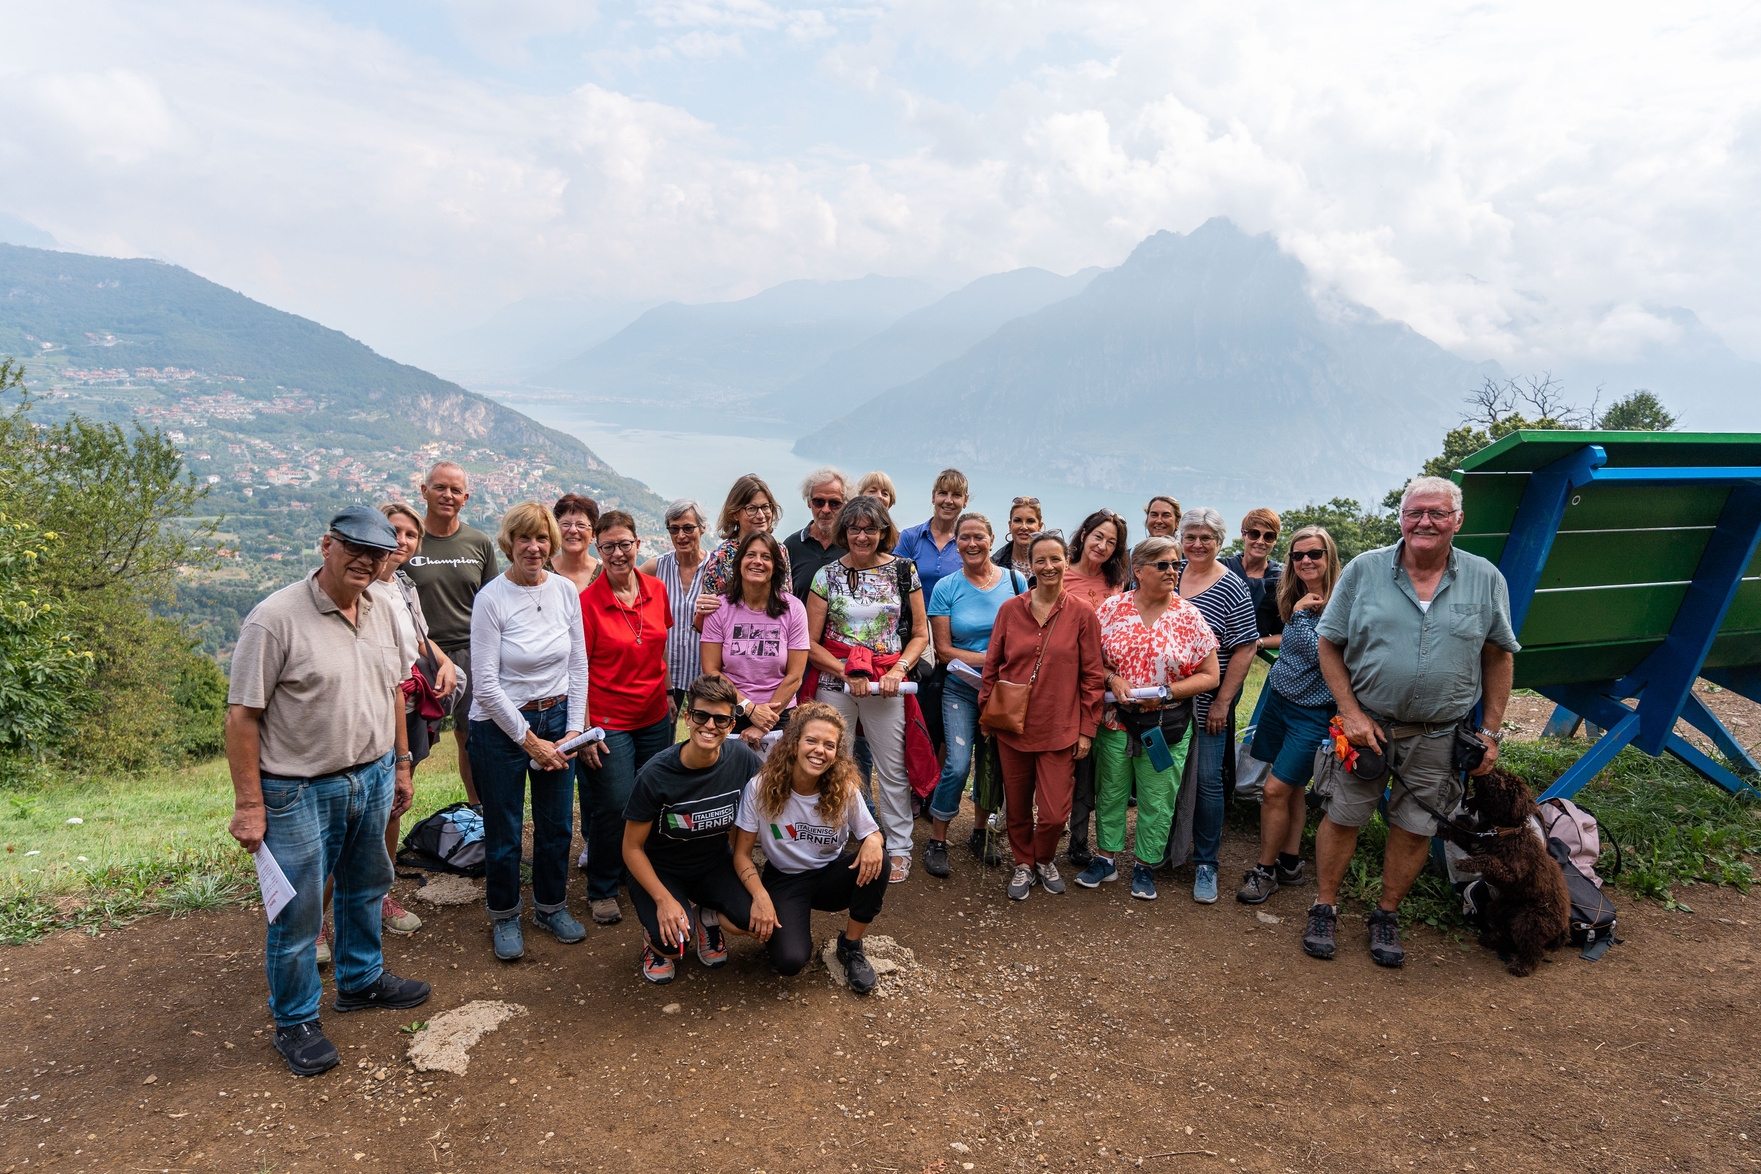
(1595,758)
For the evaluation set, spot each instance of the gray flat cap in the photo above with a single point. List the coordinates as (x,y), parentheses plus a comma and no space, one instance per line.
(364,526)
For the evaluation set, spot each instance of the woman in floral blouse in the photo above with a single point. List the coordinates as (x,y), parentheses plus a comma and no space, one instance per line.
(1149,637)
(749,508)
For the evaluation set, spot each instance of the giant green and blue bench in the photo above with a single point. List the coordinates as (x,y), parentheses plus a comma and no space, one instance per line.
(1631,561)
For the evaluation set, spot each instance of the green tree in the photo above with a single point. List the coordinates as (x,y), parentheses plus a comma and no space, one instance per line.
(41,668)
(1639,412)
(1354,528)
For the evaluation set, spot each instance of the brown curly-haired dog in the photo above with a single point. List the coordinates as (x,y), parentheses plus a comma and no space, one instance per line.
(1531,912)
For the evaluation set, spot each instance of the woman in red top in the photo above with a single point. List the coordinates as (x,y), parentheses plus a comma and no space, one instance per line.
(625,615)
(1053,641)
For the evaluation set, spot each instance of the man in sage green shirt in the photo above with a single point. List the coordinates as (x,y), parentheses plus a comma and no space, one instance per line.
(1414,635)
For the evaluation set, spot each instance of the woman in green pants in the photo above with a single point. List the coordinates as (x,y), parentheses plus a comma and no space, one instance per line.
(1150,637)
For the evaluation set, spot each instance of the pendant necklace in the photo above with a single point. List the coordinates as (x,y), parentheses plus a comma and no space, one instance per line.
(635,630)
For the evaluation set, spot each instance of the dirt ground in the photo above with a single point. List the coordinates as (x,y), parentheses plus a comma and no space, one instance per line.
(1084,1032)
(1528,715)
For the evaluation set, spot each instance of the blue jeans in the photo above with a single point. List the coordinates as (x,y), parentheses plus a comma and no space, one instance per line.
(1207,812)
(318,828)
(960,728)
(604,794)
(500,767)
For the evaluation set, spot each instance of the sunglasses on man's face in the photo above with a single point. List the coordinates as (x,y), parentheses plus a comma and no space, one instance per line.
(355,550)
(827,503)
(1297,556)
(702,717)
(1260,535)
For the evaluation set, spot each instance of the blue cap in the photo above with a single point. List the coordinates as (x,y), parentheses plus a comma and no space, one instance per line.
(364,526)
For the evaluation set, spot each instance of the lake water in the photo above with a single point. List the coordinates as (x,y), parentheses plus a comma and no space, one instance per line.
(702,465)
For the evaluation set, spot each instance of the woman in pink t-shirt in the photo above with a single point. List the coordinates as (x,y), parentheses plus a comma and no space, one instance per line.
(757,638)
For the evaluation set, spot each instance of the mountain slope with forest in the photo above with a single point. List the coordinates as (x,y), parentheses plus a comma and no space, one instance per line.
(1203,363)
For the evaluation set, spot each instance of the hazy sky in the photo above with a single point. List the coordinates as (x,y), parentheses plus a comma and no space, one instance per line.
(1514,180)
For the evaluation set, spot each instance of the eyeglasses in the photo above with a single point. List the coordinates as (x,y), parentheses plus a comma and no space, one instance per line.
(1427,515)
(756,508)
(684,528)
(1202,539)
(623,547)
(826,503)
(1166,564)
(1261,535)
(356,550)
(575,527)
(702,717)
(1297,556)
(861,530)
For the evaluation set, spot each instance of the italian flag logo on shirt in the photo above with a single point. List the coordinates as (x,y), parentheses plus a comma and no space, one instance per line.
(776,833)
(682,821)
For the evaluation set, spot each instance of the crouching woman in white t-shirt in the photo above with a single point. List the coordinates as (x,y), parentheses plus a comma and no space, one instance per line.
(808,801)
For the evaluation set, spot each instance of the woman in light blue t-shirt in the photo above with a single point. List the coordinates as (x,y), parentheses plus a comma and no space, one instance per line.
(962,612)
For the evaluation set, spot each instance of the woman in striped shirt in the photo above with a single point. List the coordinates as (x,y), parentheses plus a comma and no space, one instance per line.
(681,569)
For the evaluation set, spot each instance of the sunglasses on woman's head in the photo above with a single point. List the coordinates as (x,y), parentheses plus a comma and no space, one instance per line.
(702,717)
(1032,501)
(1297,556)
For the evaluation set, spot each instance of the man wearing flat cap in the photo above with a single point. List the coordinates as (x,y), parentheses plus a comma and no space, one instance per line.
(316,741)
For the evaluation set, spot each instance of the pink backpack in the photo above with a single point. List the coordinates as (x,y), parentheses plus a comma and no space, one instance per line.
(1576,829)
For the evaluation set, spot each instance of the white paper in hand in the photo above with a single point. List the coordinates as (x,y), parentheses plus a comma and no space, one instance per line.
(277,890)
(957,665)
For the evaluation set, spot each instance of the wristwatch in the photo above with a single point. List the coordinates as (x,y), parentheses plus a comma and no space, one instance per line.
(744,708)
(1497,736)
(405,758)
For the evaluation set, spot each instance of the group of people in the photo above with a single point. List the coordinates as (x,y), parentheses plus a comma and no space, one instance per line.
(835,687)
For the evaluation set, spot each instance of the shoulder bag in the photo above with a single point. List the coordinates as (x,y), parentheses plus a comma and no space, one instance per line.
(1006,708)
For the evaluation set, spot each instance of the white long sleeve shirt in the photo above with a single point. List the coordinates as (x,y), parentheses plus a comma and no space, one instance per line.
(526,645)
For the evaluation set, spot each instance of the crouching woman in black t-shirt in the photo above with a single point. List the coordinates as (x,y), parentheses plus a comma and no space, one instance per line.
(676,827)
(808,798)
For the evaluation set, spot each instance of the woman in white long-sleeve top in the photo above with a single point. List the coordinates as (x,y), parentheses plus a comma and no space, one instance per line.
(530,659)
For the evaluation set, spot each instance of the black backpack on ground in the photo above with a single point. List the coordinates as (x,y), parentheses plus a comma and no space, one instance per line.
(450,840)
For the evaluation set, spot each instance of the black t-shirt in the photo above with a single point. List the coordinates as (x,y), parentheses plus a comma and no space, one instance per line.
(1264,591)
(692,810)
(806,556)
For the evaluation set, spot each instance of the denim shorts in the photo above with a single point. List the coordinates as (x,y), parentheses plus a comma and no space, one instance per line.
(1287,736)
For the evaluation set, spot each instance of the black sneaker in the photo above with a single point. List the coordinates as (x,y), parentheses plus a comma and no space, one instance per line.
(1258,885)
(305,1049)
(935,858)
(856,965)
(1385,948)
(1289,877)
(983,844)
(1078,855)
(1317,936)
(398,994)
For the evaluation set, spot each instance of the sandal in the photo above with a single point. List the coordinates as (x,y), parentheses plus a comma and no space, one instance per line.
(901,870)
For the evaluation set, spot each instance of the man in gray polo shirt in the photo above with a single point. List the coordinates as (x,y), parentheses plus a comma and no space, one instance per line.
(1414,635)
(316,742)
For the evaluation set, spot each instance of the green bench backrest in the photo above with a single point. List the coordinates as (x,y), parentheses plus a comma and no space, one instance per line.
(1623,557)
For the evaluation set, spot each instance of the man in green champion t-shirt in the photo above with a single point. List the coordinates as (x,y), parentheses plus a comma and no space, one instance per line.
(454,563)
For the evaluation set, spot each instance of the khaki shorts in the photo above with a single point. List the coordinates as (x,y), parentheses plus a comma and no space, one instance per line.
(1426,765)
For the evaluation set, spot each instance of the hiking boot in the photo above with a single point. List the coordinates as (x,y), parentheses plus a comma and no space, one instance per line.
(1259,884)
(509,945)
(1204,884)
(1385,948)
(1100,870)
(326,938)
(1317,935)
(305,1049)
(568,931)
(392,992)
(712,945)
(1292,876)
(395,918)
(1143,882)
(1048,876)
(935,858)
(1022,882)
(656,967)
(605,911)
(856,965)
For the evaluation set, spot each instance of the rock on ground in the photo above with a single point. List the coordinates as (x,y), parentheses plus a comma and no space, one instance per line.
(445,888)
(889,959)
(445,1046)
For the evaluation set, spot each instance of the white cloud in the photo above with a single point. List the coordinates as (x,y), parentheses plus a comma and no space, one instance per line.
(1498,175)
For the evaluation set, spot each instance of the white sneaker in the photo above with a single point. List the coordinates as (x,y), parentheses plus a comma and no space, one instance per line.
(1048,876)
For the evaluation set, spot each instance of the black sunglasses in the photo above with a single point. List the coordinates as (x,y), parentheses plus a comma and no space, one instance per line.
(1166,564)
(826,503)
(356,550)
(1297,556)
(702,717)
(1258,535)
